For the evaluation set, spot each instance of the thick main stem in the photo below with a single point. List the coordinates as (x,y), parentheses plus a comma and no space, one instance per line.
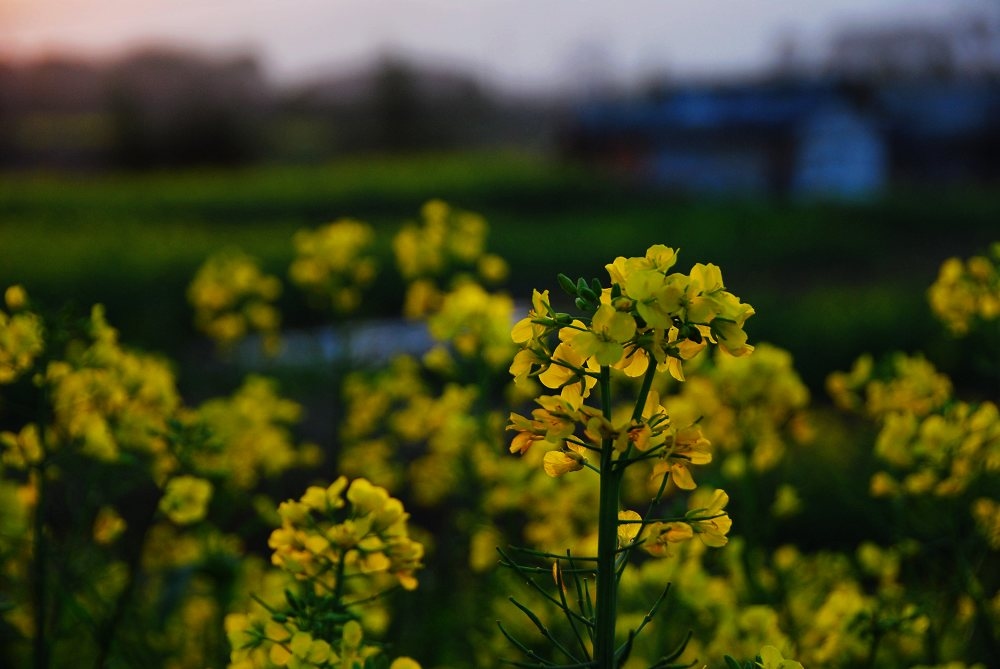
(607,544)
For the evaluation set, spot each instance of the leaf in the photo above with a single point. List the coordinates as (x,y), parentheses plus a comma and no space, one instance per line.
(731,663)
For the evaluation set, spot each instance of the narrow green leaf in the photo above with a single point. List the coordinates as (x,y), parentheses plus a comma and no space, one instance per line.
(731,663)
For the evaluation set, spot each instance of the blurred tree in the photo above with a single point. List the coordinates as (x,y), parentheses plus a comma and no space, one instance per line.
(175,108)
(396,106)
(7,146)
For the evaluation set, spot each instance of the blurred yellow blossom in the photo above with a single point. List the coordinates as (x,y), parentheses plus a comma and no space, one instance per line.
(965,291)
(106,399)
(786,501)
(986,512)
(475,323)
(371,539)
(23,449)
(15,297)
(232,297)
(492,268)
(21,340)
(108,525)
(249,433)
(771,658)
(185,499)
(334,263)
(338,547)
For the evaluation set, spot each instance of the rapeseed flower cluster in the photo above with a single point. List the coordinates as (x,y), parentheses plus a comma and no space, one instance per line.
(446,245)
(752,408)
(107,493)
(966,291)
(557,420)
(152,477)
(822,608)
(107,400)
(710,523)
(942,454)
(648,320)
(932,443)
(338,548)
(249,434)
(940,457)
(902,384)
(403,428)
(232,297)
(474,323)
(335,263)
(299,649)
(21,335)
(422,426)
(331,535)
(648,316)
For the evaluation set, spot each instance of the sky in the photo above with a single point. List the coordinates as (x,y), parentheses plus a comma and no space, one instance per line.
(521,44)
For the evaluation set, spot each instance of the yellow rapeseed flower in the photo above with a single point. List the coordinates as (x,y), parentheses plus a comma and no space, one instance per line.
(334,263)
(603,340)
(365,497)
(23,449)
(966,291)
(771,658)
(629,523)
(185,499)
(21,341)
(711,522)
(660,537)
(108,525)
(558,463)
(16,297)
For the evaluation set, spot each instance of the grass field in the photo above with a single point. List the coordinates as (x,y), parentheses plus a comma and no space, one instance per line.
(829,280)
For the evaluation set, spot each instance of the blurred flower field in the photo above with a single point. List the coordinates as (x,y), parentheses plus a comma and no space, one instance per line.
(610,470)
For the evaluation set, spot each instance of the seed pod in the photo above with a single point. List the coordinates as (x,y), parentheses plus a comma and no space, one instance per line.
(566,284)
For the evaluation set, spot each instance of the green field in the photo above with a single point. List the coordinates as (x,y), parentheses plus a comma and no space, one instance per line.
(828,280)
(135,514)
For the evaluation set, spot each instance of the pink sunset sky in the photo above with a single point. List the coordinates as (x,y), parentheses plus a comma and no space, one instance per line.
(528,44)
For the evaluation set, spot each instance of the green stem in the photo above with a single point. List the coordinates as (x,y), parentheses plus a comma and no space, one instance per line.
(338,586)
(873,646)
(135,549)
(40,650)
(647,383)
(607,543)
(982,620)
